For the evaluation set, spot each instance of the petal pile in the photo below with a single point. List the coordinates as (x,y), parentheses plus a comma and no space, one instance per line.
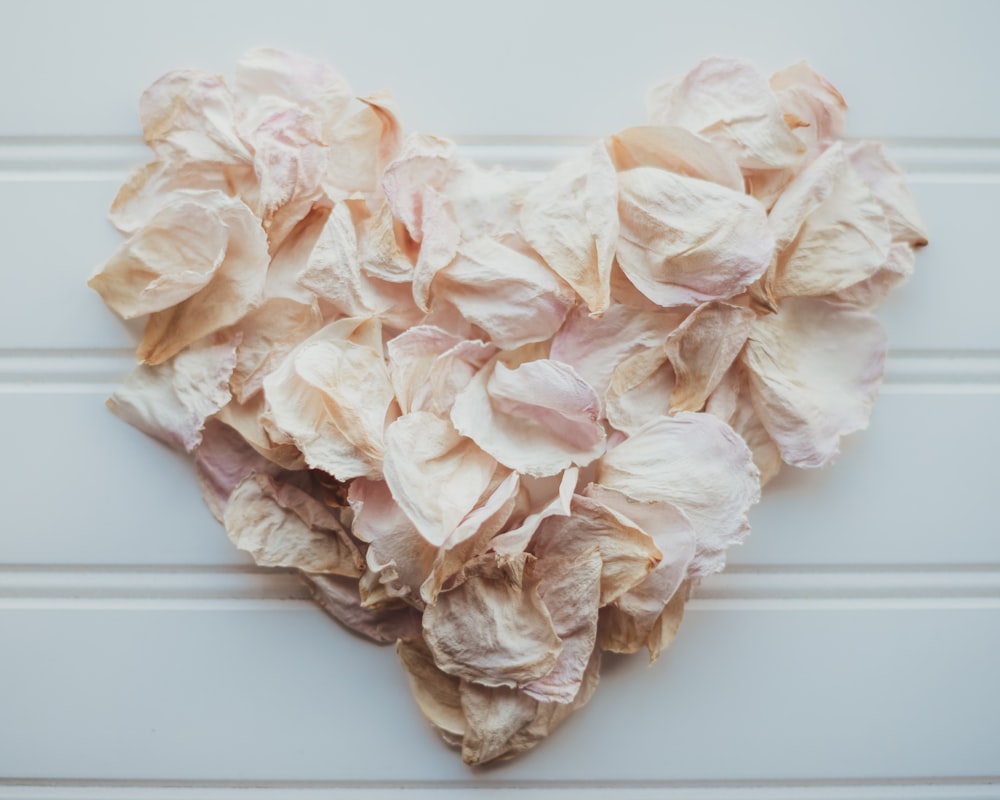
(506,423)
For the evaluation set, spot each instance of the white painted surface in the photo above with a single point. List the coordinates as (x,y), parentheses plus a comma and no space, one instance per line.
(852,650)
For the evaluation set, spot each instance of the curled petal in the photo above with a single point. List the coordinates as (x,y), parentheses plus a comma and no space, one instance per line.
(338,596)
(700,465)
(814,368)
(281,525)
(640,389)
(436,692)
(172,400)
(515,541)
(675,257)
(728,101)
(870,293)
(571,220)
(888,184)
(811,104)
(539,418)
(361,146)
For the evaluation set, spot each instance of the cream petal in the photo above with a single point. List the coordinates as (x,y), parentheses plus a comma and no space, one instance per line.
(842,237)
(640,390)
(814,368)
(333,270)
(516,540)
(571,220)
(595,346)
(338,596)
(811,104)
(172,400)
(379,248)
(702,349)
(332,395)
(626,629)
(675,257)
(281,525)
(675,150)
(701,466)
(268,334)
(729,102)
(539,418)
(189,116)
(361,146)
(888,184)
(511,296)
(435,474)
(870,293)
(423,162)
(234,289)
(430,366)
(492,630)
(249,420)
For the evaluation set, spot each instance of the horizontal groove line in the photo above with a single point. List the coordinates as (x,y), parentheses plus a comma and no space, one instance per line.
(252,588)
(100,158)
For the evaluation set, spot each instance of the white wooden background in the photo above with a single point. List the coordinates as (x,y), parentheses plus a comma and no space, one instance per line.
(851,651)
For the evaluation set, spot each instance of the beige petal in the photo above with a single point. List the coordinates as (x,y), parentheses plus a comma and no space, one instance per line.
(871,293)
(700,465)
(888,185)
(268,334)
(280,525)
(570,587)
(397,553)
(675,150)
(379,248)
(172,400)
(729,102)
(571,220)
(516,540)
(491,630)
(249,420)
(511,296)
(436,692)
(435,474)
(332,396)
(338,596)
(628,553)
(814,367)
(189,115)
(843,237)
(430,366)
(702,349)
(539,418)
(675,257)
(621,631)
(333,270)
(502,722)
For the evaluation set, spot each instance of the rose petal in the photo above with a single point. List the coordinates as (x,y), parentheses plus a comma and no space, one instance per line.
(338,597)
(675,150)
(888,184)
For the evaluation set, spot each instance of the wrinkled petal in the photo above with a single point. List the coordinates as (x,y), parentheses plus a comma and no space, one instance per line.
(571,220)
(814,368)
(250,421)
(871,293)
(729,102)
(511,296)
(338,597)
(331,395)
(333,270)
(539,418)
(436,692)
(435,474)
(812,105)
(641,389)
(684,241)
(172,400)
(361,146)
(492,631)
(887,183)
(702,349)
(281,525)
(515,540)
(700,465)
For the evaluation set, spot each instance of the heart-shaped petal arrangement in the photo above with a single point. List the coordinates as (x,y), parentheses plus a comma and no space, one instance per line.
(503,421)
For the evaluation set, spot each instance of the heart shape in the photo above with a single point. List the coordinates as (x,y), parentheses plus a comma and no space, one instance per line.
(505,422)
